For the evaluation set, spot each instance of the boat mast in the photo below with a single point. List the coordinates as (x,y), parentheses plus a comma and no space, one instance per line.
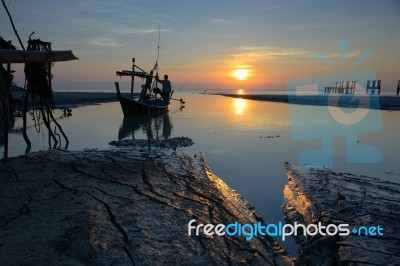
(158,54)
(132,76)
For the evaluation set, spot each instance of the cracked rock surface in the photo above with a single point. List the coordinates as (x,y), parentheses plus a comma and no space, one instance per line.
(321,195)
(122,207)
(171,143)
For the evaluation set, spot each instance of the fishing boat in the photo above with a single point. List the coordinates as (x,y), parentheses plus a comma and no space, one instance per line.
(135,107)
(147,101)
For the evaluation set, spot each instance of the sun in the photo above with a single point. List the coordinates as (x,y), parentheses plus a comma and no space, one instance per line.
(241,74)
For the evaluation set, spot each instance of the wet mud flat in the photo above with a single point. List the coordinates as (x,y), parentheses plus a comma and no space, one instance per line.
(382,102)
(362,202)
(125,206)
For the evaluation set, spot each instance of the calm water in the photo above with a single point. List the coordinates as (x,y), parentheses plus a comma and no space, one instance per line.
(245,142)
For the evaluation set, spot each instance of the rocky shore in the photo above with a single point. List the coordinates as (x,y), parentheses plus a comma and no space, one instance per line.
(322,195)
(122,207)
(171,143)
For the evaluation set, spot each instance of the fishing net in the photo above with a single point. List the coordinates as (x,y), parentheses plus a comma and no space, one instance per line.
(38,75)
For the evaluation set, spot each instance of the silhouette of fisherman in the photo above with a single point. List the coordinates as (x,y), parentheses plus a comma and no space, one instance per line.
(166,89)
(146,88)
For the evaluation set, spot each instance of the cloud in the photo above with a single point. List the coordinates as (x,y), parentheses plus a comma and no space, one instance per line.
(141,31)
(221,21)
(256,53)
(253,54)
(119,28)
(283,6)
(106,42)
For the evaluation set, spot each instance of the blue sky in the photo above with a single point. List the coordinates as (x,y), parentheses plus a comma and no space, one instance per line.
(203,42)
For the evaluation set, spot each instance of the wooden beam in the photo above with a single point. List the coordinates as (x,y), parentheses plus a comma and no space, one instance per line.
(18,56)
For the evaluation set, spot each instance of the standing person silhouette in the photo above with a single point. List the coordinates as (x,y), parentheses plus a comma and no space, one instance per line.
(166,88)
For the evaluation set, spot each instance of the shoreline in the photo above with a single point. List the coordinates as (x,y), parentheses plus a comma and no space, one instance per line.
(74,99)
(383,102)
(83,98)
(379,102)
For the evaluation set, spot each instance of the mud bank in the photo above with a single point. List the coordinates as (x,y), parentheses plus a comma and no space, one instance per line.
(381,102)
(122,207)
(321,195)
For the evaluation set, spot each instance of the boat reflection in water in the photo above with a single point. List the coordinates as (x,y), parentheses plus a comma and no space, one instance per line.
(153,127)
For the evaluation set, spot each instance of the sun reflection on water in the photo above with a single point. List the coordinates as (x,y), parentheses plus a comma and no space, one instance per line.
(239,106)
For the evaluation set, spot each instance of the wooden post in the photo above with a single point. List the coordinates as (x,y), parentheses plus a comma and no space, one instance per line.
(6,102)
(7,107)
(49,72)
(373,87)
(4,112)
(118,91)
(132,77)
(328,90)
(353,87)
(347,89)
(379,86)
(7,111)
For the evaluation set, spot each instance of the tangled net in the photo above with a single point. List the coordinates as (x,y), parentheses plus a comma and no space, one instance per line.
(39,75)
(39,91)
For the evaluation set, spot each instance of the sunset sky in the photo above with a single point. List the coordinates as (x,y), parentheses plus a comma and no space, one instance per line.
(255,44)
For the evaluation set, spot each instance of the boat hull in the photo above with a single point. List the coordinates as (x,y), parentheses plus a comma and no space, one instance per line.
(133,107)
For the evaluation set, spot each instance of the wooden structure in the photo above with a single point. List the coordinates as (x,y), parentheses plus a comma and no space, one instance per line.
(5,104)
(342,87)
(372,86)
(5,96)
(16,56)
